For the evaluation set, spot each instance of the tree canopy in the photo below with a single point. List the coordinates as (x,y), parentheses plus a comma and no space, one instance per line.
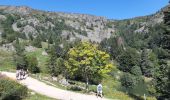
(86,61)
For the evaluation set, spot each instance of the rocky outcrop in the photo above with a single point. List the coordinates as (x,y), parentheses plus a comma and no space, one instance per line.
(72,25)
(16,9)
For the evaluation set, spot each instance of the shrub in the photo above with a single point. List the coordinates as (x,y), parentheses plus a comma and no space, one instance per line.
(128,81)
(75,88)
(37,42)
(19,25)
(121,96)
(136,71)
(32,64)
(11,90)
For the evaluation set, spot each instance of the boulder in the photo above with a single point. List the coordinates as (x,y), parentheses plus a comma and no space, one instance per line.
(44,53)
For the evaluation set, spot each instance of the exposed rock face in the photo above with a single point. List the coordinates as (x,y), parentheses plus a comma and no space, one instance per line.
(2,18)
(30,49)
(16,9)
(7,47)
(29,29)
(33,21)
(71,25)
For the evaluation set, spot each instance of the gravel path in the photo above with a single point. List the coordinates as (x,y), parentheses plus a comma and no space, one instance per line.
(51,91)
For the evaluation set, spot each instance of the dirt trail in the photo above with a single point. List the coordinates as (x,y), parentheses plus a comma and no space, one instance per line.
(51,91)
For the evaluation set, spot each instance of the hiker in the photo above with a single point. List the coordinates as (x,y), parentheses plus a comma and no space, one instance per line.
(24,74)
(21,74)
(17,74)
(99,90)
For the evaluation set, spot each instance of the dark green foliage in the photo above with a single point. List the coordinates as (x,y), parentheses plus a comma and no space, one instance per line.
(57,55)
(37,42)
(128,59)
(140,87)
(112,46)
(19,25)
(59,51)
(32,64)
(135,70)
(55,63)
(133,84)
(162,76)
(19,57)
(155,32)
(146,65)
(11,90)
(9,34)
(128,81)
(109,24)
(30,36)
(161,79)
(75,88)
(52,62)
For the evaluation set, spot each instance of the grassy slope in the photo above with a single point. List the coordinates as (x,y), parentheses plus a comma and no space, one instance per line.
(38,97)
(6,61)
(42,60)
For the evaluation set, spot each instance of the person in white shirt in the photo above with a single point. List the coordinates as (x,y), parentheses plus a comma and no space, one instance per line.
(99,90)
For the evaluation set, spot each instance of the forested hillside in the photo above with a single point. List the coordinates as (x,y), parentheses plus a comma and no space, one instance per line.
(129,57)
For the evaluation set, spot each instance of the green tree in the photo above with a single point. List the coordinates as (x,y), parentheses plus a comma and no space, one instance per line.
(32,64)
(55,63)
(162,76)
(52,61)
(113,46)
(128,59)
(146,65)
(86,60)
(19,56)
(37,42)
(135,70)
(133,84)
(128,81)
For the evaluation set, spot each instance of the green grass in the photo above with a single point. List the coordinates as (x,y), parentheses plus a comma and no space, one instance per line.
(42,60)
(38,97)
(110,89)
(6,61)
(110,84)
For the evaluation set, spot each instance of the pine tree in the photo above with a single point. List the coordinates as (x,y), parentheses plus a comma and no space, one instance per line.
(37,42)
(163,73)
(52,62)
(147,66)
(19,57)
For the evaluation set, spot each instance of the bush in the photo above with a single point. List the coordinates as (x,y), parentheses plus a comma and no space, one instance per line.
(136,71)
(128,81)
(75,88)
(11,90)
(19,25)
(32,64)
(37,42)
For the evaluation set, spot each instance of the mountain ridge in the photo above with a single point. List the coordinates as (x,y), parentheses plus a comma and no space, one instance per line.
(75,26)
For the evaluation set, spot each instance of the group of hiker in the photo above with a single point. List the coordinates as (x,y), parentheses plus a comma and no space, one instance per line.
(21,74)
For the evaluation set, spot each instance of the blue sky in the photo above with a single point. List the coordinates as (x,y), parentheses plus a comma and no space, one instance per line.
(113,9)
